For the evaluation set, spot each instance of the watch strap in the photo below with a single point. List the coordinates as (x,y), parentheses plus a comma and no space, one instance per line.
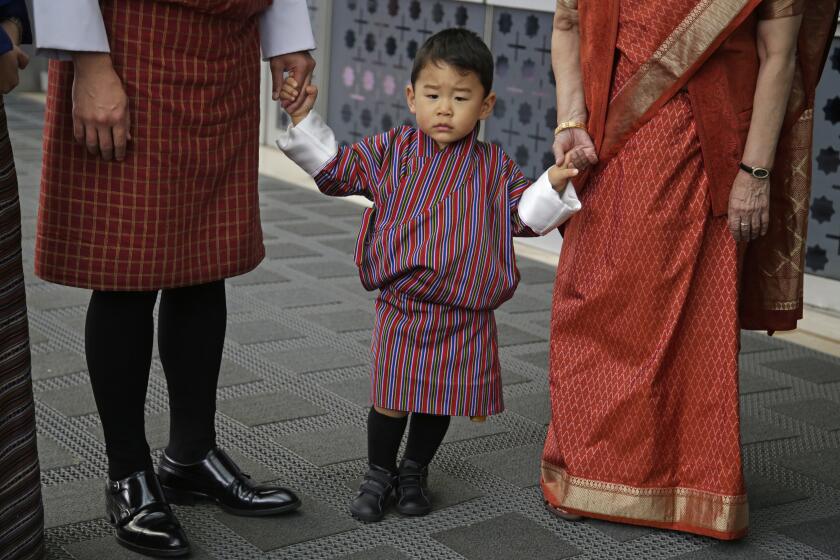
(757,172)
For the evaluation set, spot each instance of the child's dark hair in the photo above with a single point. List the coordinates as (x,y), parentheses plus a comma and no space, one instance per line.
(460,48)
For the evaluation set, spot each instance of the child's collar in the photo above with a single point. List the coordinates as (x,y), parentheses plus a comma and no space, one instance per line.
(427,147)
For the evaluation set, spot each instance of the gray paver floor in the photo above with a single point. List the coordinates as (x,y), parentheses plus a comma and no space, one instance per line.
(297,335)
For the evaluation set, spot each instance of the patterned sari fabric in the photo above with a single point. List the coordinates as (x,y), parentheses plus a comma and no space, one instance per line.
(645,411)
(645,426)
(182,209)
(439,248)
(21,513)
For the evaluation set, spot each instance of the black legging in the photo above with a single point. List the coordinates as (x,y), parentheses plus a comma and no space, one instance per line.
(118,342)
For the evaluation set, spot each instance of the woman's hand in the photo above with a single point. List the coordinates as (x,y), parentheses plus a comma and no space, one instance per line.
(749,201)
(100,107)
(577,143)
(749,207)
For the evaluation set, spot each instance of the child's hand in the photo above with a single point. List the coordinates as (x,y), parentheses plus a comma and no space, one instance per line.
(290,92)
(559,175)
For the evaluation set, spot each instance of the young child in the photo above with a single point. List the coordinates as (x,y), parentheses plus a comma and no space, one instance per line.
(438,246)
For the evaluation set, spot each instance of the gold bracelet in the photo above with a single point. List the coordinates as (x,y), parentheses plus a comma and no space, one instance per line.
(567,125)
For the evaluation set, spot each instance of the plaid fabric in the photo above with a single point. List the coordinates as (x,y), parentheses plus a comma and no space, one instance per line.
(183,208)
(21,514)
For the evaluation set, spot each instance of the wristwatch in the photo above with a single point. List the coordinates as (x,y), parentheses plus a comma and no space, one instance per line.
(757,172)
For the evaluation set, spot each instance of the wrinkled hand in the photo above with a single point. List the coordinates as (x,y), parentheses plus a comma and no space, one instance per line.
(299,66)
(100,107)
(290,91)
(10,63)
(749,207)
(577,143)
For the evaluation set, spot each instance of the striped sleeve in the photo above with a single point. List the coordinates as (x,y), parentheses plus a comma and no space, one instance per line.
(355,168)
(517,183)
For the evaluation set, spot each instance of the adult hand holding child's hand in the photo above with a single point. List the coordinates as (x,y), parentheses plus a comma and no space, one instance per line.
(290,91)
(559,175)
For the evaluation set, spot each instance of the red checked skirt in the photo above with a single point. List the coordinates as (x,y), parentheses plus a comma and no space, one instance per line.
(182,208)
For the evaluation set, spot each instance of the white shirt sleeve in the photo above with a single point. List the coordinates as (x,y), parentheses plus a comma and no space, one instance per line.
(311,144)
(285,28)
(543,209)
(66,26)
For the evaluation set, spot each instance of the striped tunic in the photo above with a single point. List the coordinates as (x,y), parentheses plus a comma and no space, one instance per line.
(438,245)
(21,512)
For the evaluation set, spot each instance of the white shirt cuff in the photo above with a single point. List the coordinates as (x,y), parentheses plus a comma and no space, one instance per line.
(285,28)
(543,209)
(311,144)
(66,26)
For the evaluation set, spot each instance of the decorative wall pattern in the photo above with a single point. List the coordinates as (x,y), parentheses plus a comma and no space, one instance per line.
(525,115)
(373,43)
(373,47)
(823,254)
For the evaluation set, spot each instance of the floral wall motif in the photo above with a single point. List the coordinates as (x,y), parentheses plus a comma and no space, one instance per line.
(373,48)
(525,116)
(823,253)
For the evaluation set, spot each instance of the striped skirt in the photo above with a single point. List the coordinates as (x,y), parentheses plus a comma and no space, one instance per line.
(434,359)
(21,513)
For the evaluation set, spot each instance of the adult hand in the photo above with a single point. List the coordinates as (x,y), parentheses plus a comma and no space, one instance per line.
(749,207)
(577,143)
(10,62)
(299,65)
(100,107)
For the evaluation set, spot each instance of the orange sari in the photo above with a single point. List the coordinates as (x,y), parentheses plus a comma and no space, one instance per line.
(645,326)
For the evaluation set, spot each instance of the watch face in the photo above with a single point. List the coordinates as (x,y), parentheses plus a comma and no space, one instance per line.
(760,173)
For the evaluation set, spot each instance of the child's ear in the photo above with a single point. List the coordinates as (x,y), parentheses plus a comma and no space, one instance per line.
(409,98)
(487,106)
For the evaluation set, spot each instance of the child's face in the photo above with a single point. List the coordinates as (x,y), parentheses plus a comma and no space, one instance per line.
(448,102)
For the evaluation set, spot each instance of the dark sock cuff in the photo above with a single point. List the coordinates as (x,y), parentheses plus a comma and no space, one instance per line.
(384,437)
(425,436)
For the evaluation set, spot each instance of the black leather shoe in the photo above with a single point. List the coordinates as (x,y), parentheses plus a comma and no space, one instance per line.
(142,519)
(218,479)
(412,495)
(375,493)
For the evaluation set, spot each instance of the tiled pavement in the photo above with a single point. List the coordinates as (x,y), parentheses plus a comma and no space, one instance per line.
(292,408)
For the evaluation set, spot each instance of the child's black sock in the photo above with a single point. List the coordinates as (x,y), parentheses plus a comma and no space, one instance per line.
(384,436)
(425,436)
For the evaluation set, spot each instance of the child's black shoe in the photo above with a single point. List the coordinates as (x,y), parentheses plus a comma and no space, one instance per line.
(412,495)
(375,493)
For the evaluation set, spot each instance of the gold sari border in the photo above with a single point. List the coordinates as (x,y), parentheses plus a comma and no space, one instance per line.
(719,516)
(669,68)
